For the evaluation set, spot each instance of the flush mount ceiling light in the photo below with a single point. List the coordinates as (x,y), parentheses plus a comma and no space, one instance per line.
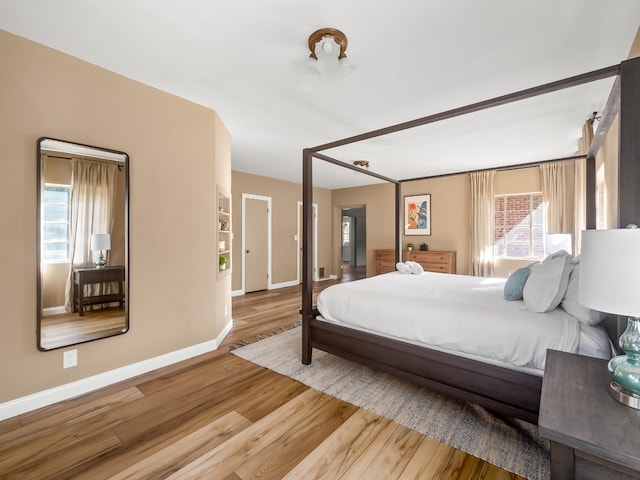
(328,47)
(361,163)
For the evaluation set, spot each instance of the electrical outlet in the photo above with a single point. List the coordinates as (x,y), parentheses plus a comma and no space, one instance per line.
(70,358)
(226,311)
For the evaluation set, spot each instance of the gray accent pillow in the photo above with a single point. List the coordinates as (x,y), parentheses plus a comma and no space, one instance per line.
(547,284)
(570,302)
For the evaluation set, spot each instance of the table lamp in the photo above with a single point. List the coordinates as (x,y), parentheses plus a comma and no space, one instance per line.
(100,242)
(609,271)
(554,242)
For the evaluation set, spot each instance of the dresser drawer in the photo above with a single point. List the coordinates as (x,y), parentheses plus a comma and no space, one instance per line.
(431,261)
(430,257)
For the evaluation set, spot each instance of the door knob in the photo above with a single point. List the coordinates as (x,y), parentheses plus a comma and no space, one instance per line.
(248,251)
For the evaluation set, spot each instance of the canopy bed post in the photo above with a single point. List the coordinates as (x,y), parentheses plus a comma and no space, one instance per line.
(629,156)
(307,248)
(399,226)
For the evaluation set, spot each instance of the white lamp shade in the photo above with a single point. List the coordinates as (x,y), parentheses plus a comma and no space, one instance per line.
(554,242)
(609,270)
(100,241)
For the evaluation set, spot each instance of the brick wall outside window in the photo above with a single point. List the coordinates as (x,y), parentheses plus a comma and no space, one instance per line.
(519,226)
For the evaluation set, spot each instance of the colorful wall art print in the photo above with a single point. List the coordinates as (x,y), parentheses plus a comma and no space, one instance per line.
(417,215)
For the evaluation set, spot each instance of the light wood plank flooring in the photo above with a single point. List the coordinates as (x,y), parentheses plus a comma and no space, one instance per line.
(70,328)
(219,417)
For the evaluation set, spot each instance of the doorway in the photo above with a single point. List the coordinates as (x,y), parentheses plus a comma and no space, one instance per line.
(353,241)
(256,243)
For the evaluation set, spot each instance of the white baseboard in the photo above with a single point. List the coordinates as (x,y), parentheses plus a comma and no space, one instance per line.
(237,293)
(64,392)
(292,283)
(46,312)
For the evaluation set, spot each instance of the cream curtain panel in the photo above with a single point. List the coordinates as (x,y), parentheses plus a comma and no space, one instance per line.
(93,193)
(482,213)
(580,185)
(564,200)
(554,181)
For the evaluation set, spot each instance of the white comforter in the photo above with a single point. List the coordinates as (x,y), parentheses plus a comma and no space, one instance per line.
(452,312)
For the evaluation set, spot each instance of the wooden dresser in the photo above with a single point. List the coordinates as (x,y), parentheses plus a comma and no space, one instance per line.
(431,261)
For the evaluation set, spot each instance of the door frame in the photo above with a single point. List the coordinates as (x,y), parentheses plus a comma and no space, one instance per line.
(299,242)
(245,197)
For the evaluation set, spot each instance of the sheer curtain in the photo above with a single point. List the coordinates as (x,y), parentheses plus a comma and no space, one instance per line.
(93,192)
(482,213)
(554,180)
(580,185)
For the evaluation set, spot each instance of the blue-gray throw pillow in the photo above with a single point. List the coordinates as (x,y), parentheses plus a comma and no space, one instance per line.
(514,286)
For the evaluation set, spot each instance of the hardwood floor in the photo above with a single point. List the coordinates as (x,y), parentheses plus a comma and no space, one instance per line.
(70,328)
(217,416)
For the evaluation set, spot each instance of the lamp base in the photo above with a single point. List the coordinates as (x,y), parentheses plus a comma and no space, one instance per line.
(624,396)
(101,261)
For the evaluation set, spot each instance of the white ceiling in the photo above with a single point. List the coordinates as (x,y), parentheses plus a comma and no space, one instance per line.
(246,59)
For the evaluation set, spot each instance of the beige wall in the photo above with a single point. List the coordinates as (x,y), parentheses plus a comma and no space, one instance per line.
(450,216)
(284,217)
(450,212)
(178,152)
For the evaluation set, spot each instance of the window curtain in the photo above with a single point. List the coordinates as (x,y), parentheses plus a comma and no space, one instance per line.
(93,193)
(554,180)
(580,185)
(482,213)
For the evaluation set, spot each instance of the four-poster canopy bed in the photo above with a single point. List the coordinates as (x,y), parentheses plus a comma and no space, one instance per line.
(507,391)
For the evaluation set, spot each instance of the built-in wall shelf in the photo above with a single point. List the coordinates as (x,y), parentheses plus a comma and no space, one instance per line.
(223,231)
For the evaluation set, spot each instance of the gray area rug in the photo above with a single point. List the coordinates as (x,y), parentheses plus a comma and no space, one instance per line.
(513,445)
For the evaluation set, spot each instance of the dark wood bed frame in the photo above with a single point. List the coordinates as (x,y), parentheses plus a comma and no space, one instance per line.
(498,389)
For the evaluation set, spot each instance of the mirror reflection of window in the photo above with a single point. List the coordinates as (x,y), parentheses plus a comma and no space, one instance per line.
(55,223)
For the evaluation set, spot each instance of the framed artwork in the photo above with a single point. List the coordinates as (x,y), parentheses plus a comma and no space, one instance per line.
(417,214)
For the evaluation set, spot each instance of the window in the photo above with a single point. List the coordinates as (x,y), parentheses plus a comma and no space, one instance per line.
(519,226)
(55,223)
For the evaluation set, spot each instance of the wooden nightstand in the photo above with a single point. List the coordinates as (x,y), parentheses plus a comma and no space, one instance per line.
(592,435)
(87,276)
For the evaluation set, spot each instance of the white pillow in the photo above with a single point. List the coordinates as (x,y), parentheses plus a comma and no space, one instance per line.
(415,268)
(547,284)
(570,302)
(403,267)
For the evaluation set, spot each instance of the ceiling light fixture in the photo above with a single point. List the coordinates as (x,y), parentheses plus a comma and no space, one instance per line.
(328,47)
(361,163)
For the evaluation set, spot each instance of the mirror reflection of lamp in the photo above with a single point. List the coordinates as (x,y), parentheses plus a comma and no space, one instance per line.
(100,242)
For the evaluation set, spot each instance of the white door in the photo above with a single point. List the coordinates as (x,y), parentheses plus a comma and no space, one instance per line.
(256,245)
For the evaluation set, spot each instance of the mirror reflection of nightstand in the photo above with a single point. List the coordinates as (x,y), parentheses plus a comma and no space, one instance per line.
(592,435)
(89,276)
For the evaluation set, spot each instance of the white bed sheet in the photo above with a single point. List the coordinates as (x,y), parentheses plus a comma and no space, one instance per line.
(458,314)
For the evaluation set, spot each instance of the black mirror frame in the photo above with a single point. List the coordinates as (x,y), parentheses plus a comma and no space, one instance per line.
(39,271)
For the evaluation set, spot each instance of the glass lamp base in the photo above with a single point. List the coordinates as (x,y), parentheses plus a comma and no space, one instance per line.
(101,261)
(624,396)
